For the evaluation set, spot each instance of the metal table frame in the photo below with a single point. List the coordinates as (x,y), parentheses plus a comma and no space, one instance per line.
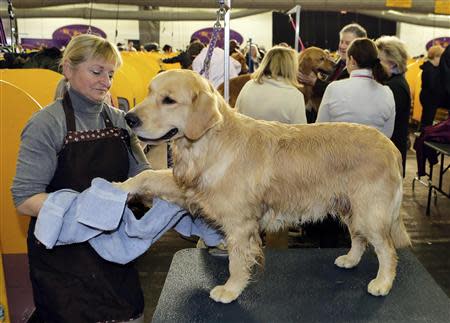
(443,150)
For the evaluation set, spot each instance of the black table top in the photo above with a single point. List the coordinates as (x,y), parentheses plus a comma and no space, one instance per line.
(300,285)
(440,147)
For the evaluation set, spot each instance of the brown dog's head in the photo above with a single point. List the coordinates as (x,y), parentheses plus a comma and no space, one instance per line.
(317,60)
(181,103)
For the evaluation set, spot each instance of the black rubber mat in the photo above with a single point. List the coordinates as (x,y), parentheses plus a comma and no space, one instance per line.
(300,285)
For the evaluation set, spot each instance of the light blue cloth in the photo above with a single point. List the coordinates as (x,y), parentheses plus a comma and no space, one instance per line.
(100,216)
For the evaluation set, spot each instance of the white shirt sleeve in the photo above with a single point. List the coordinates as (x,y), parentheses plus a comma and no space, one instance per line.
(299,114)
(239,106)
(235,67)
(324,109)
(389,124)
(197,63)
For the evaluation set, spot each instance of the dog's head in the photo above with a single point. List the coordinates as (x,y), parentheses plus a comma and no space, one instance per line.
(317,60)
(181,104)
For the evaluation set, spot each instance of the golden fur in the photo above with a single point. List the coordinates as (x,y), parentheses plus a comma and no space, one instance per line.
(312,59)
(247,176)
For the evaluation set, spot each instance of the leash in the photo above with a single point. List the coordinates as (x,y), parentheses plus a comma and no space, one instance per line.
(212,43)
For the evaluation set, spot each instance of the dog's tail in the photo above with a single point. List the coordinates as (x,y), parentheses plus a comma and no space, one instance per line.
(399,234)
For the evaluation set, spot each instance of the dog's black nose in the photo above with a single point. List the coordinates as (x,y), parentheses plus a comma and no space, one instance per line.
(133,120)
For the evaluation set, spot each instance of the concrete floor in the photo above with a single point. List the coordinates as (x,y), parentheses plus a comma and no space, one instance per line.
(430,236)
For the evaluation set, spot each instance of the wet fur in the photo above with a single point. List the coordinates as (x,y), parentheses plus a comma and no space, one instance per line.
(247,176)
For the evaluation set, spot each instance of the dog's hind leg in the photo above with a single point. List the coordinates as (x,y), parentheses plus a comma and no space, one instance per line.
(352,258)
(387,259)
(244,249)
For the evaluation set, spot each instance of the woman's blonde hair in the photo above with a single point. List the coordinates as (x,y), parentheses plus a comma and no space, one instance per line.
(278,63)
(87,46)
(395,51)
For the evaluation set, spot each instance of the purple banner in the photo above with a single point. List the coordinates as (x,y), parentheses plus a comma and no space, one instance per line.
(35,43)
(442,41)
(63,35)
(205,34)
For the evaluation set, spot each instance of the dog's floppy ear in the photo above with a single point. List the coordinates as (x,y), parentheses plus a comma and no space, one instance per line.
(305,63)
(203,115)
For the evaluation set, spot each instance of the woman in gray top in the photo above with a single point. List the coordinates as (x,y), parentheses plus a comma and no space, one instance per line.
(65,146)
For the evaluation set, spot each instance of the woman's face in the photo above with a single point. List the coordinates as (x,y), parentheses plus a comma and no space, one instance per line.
(92,78)
(384,60)
(351,64)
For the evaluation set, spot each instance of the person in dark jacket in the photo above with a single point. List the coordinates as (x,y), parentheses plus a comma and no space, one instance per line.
(393,55)
(185,58)
(444,70)
(431,94)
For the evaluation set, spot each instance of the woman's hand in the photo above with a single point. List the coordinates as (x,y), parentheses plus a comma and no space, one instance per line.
(307,79)
(32,205)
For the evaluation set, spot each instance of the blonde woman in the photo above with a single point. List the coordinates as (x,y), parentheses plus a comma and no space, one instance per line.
(393,55)
(273,93)
(64,146)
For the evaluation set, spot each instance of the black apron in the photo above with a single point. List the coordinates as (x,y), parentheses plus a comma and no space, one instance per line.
(73,283)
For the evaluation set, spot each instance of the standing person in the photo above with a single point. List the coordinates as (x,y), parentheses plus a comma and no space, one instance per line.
(431,94)
(444,71)
(347,34)
(393,55)
(348,101)
(253,57)
(273,95)
(130,46)
(214,72)
(64,146)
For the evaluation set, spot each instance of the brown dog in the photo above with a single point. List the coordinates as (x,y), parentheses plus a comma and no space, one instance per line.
(312,59)
(246,175)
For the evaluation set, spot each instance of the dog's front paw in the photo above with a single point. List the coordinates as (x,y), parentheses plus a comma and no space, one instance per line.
(379,287)
(124,186)
(223,295)
(345,261)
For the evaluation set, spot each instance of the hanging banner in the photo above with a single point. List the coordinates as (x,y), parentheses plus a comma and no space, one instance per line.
(441,41)
(205,34)
(63,35)
(442,7)
(399,3)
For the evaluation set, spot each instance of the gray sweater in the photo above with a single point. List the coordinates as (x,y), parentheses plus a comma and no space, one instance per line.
(42,140)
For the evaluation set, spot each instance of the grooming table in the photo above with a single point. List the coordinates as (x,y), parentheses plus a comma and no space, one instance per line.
(300,285)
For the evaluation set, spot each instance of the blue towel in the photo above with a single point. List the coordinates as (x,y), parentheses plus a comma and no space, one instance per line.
(100,216)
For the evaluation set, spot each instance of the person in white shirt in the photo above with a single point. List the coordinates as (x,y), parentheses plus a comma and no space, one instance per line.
(216,71)
(272,94)
(362,98)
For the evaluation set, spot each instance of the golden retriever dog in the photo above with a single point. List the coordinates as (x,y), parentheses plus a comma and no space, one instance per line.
(312,59)
(246,176)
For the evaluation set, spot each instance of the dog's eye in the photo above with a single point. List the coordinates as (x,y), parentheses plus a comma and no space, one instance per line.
(168,100)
